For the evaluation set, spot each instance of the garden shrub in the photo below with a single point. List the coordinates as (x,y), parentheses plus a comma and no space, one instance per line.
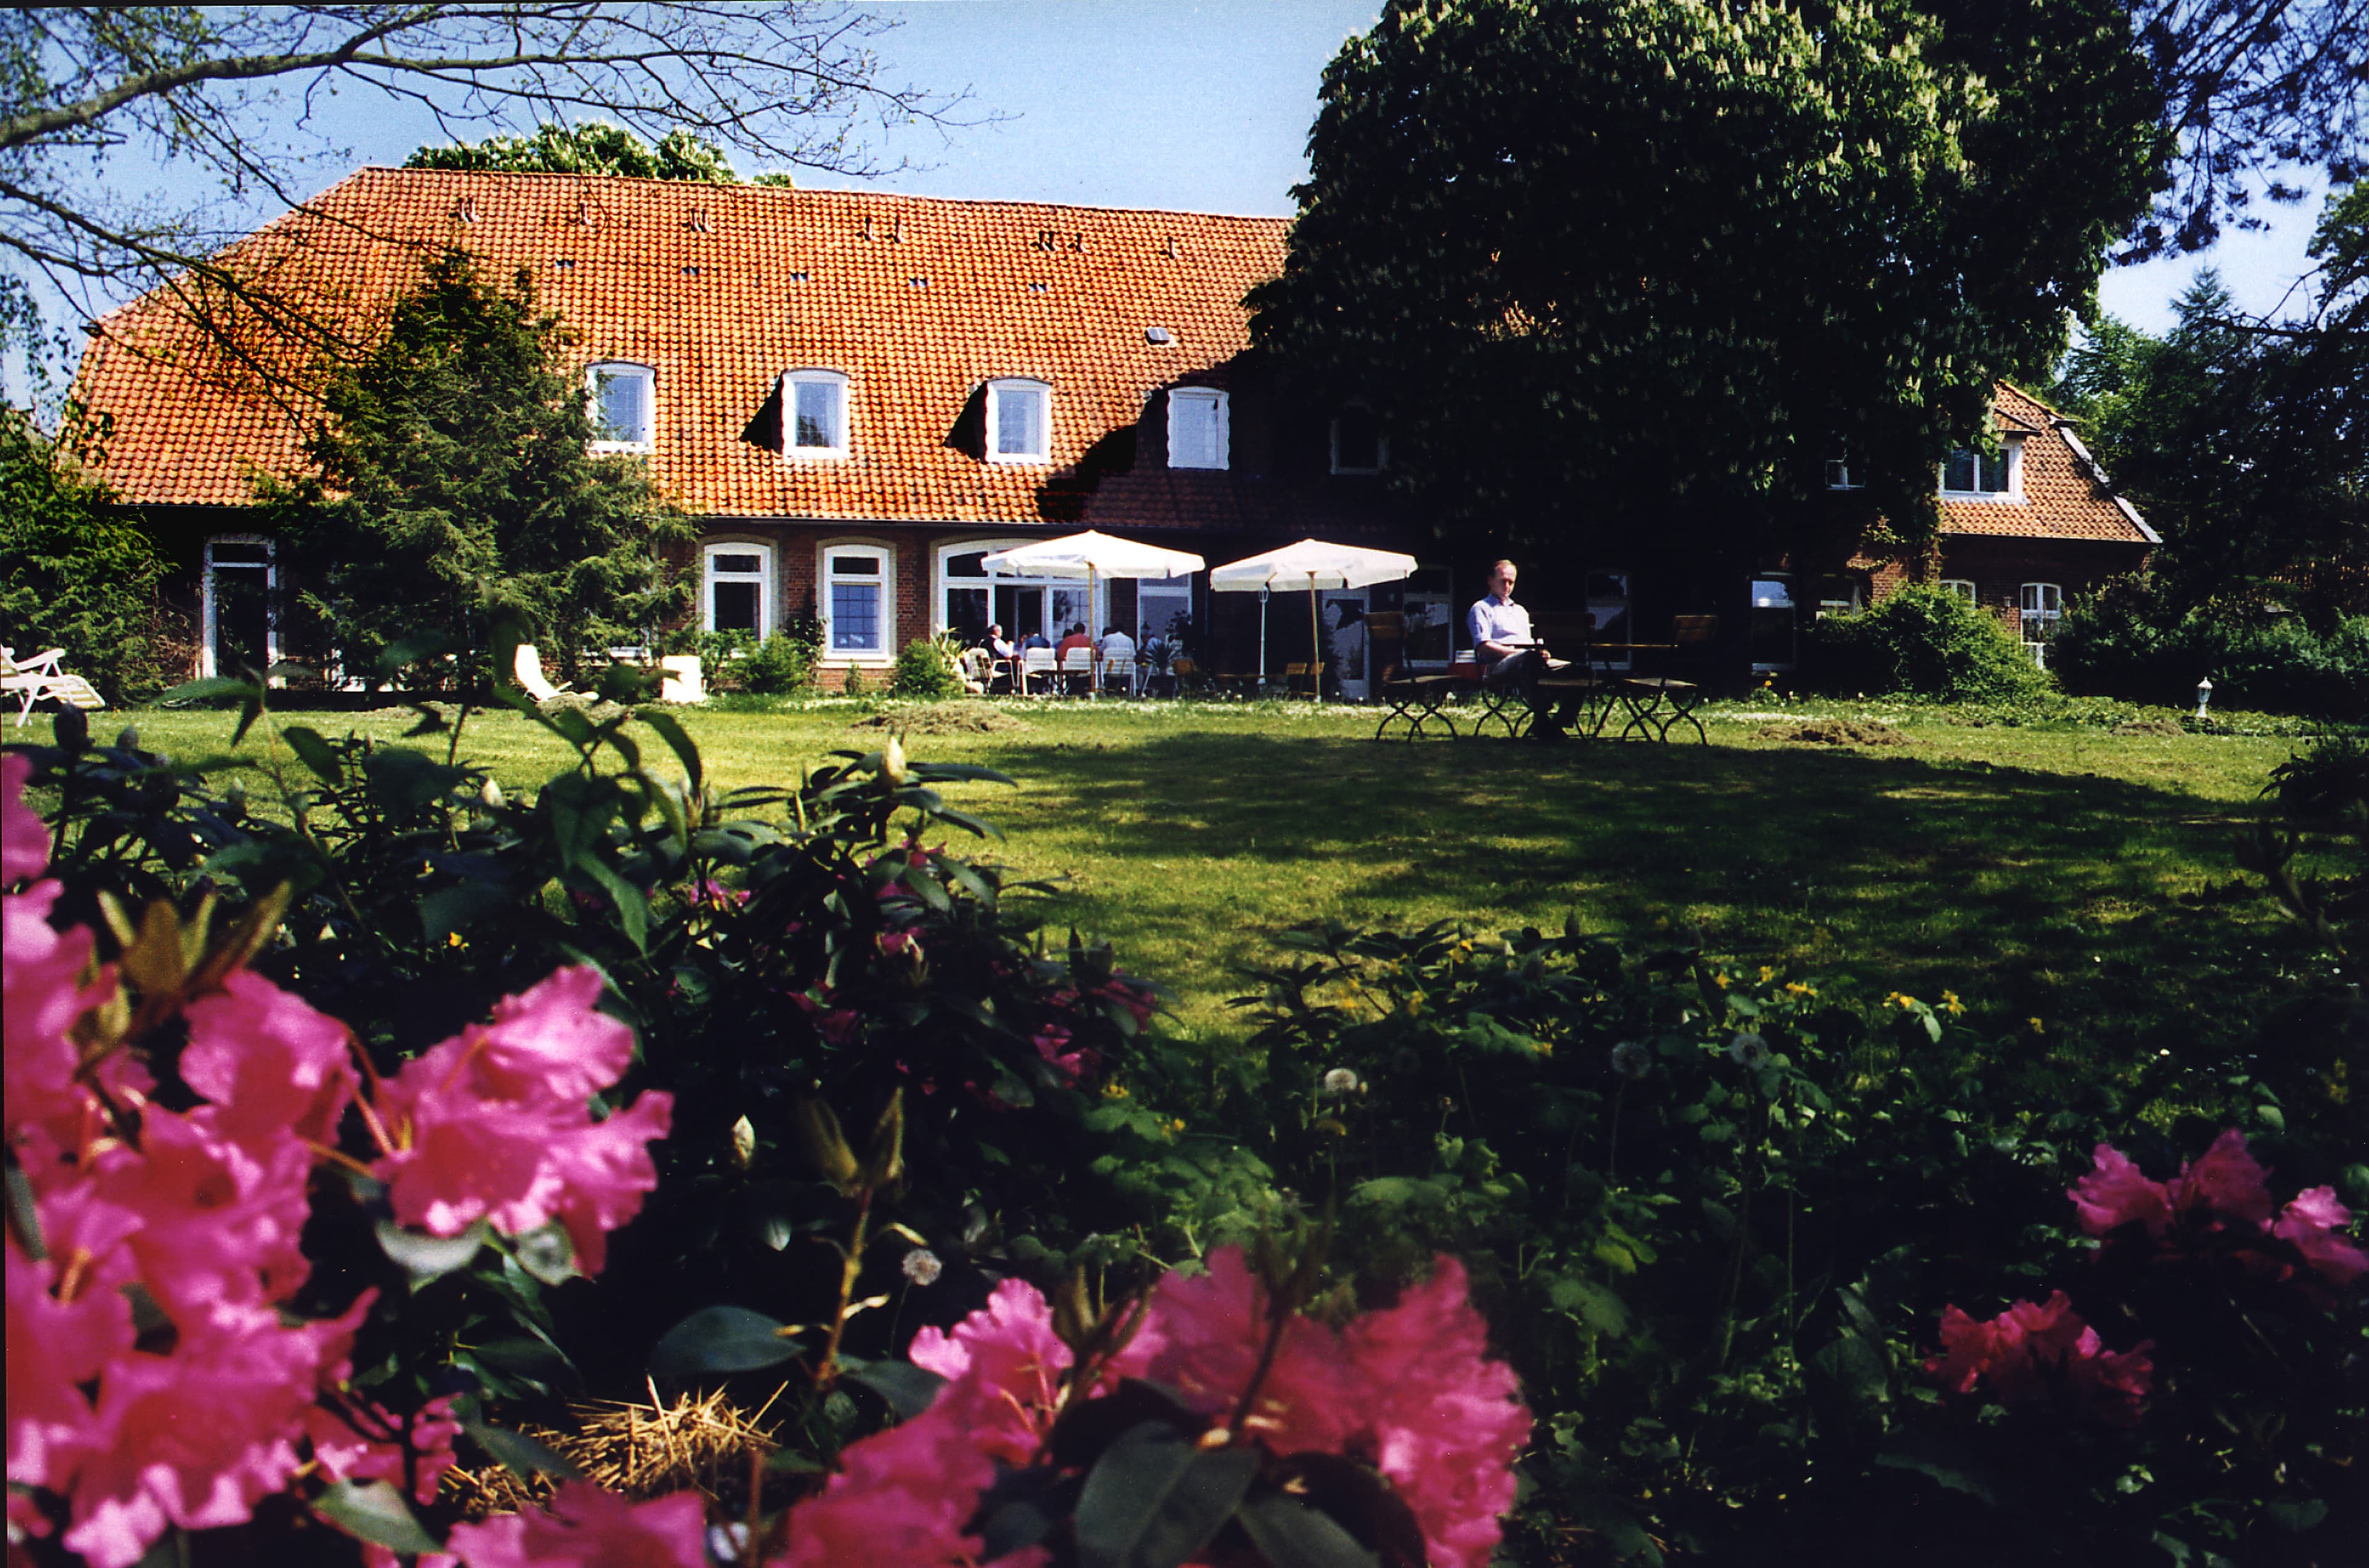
(1923,642)
(629,683)
(926,668)
(2124,642)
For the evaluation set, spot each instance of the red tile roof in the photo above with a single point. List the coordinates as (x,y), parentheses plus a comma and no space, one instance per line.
(2064,493)
(720,288)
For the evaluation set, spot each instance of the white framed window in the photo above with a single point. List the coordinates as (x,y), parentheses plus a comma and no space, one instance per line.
(1984,476)
(1358,444)
(1842,474)
(858,615)
(1772,623)
(1837,596)
(1961,587)
(1429,602)
(2044,607)
(1019,421)
(736,590)
(238,605)
(814,414)
(624,404)
(1197,427)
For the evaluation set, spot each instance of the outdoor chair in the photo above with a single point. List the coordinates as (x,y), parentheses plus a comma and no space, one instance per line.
(1118,672)
(1579,688)
(1657,702)
(528,667)
(45,679)
(1078,670)
(973,667)
(1303,675)
(1035,664)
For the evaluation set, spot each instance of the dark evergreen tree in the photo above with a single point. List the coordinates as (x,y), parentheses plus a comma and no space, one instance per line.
(454,486)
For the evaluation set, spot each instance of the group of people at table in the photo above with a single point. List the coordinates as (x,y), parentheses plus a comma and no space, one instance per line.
(1512,659)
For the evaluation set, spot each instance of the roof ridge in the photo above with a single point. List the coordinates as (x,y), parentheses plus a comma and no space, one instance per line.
(774,191)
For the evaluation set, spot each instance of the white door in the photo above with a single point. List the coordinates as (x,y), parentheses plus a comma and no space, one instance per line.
(1343,614)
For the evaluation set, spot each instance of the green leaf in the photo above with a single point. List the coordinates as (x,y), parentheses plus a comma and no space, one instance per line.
(1858,1369)
(633,910)
(213,686)
(519,1454)
(314,753)
(721,1339)
(679,741)
(2296,1515)
(546,1253)
(1155,1499)
(459,907)
(376,1512)
(1591,1303)
(425,1257)
(24,1218)
(908,1389)
(1290,1534)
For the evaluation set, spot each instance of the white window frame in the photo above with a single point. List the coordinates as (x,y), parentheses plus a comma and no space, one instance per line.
(2011,452)
(2040,604)
(997,390)
(1210,397)
(1381,445)
(206,623)
(1964,588)
(709,577)
(845,421)
(825,606)
(649,376)
(1838,475)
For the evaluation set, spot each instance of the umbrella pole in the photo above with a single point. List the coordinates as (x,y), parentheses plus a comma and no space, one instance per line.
(1093,659)
(1263,599)
(1315,645)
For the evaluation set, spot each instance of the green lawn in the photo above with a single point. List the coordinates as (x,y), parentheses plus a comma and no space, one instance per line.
(2064,874)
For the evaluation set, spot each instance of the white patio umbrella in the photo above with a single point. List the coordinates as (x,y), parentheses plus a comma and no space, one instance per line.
(1311,564)
(1091,555)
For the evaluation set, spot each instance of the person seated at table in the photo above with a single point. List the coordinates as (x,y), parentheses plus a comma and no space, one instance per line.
(1116,643)
(1004,657)
(997,644)
(1076,639)
(1036,639)
(1511,658)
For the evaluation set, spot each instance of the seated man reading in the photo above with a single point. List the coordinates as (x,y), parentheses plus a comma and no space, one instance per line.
(1510,658)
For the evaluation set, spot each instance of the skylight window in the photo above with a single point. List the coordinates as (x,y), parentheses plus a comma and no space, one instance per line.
(624,404)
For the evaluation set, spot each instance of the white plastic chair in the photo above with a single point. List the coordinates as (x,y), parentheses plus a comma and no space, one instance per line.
(1077,665)
(1034,662)
(44,679)
(1119,670)
(528,667)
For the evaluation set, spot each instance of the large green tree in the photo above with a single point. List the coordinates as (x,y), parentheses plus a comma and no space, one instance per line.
(2246,442)
(452,487)
(598,147)
(1600,261)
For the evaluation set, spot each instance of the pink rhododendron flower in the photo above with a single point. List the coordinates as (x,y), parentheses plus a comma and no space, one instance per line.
(1204,1339)
(2227,1179)
(1053,1044)
(57,1341)
(2031,1350)
(24,840)
(493,1124)
(42,994)
(1006,1363)
(362,1442)
(218,1223)
(901,1498)
(195,1438)
(273,1067)
(2312,1218)
(2115,1194)
(587,1527)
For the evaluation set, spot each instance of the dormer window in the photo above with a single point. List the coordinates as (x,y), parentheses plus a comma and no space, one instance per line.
(1997,476)
(625,405)
(1019,421)
(814,414)
(1358,446)
(1197,427)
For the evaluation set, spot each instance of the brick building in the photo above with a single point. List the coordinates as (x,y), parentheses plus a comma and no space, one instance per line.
(856,396)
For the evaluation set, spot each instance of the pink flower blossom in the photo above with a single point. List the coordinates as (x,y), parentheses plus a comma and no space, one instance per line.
(42,995)
(1204,1339)
(493,1124)
(587,1527)
(2227,1180)
(2033,1350)
(2115,1194)
(273,1067)
(2312,1218)
(900,1500)
(24,840)
(218,1223)
(1053,1042)
(1004,1365)
(58,1340)
(197,1436)
(360,1441)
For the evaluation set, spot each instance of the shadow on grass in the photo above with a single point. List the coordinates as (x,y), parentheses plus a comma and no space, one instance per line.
(2031,894)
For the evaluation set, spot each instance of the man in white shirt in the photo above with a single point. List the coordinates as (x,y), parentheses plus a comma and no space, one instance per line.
(1510,658)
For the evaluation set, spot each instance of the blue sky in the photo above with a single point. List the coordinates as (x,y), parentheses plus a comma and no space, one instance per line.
(1202,105)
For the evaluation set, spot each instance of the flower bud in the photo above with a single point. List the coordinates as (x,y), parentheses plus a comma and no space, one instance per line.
(824,1144)
(892,761)
(491,796)
(744,1144)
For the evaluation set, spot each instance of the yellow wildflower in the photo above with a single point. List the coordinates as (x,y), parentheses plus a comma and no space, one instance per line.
(1720,979)
(2037,1027)
(1768,973)
(1795,987)
(453,939)
(1114,1089)
(1904,1001)
(1950,1004)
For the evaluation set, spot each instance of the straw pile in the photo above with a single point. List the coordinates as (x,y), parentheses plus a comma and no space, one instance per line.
(642,1450)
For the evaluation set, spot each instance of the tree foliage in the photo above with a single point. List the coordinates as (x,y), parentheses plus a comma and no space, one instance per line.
(452,488)
(598,148)
(1597,258)
(2245,443)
